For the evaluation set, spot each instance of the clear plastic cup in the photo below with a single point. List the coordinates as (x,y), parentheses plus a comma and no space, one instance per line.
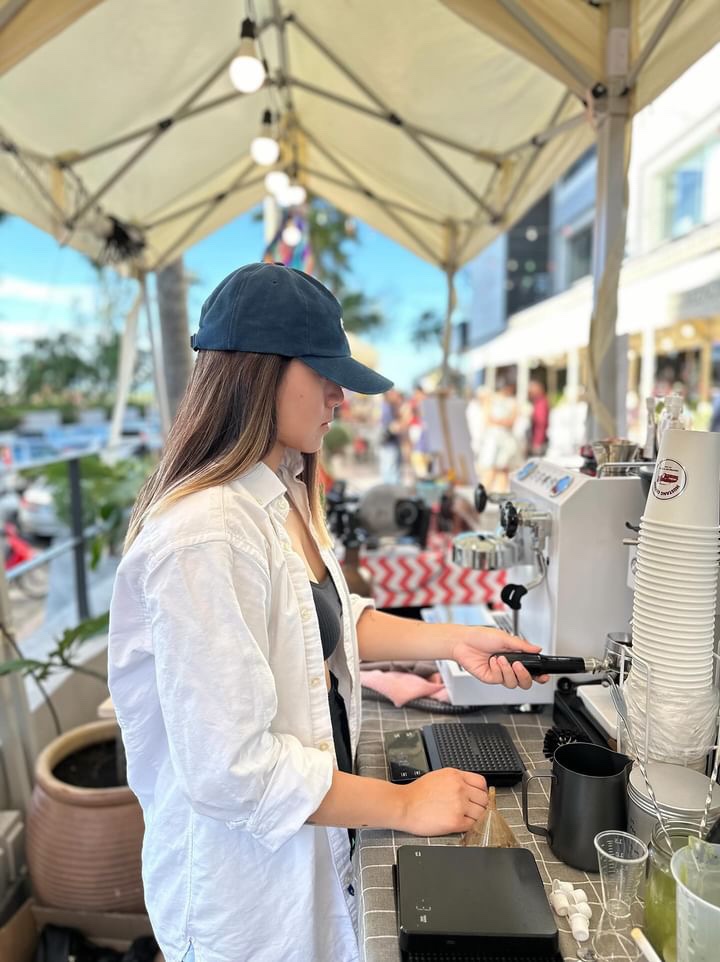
(621,859)
(698,915)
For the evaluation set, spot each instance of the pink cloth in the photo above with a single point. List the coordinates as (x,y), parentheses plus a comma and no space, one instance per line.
(402,686)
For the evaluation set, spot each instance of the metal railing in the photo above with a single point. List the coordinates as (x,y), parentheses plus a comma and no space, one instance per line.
(79,535)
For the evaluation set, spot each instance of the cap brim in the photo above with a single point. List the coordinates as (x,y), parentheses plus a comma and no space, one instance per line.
(349,373)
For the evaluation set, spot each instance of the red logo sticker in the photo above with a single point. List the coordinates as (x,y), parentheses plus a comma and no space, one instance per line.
(669,480)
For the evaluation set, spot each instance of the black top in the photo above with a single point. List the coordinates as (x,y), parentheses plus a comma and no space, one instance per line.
(329,613)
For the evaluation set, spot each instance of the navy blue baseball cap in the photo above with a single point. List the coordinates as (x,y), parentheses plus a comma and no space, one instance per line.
(273,309)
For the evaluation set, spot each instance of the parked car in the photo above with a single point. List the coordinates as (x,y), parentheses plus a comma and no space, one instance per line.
(36,512)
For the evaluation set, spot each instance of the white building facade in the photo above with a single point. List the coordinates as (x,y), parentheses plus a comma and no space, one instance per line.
(669,298)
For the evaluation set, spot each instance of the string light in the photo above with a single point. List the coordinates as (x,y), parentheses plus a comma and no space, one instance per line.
(292,196)
(247,71)
(276,181)
(292,235)
(264,149)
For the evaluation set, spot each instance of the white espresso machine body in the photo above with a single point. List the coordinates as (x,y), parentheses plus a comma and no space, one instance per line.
(585,594)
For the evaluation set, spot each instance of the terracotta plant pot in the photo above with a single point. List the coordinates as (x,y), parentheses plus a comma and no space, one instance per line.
(84,844)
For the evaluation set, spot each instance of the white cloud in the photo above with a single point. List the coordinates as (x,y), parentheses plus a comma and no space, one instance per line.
(63,295)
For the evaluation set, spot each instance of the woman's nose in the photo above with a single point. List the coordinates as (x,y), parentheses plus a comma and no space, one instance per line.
(336,394)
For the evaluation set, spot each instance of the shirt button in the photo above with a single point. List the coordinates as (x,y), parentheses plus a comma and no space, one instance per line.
(305,614)
(324,747)
(314,682)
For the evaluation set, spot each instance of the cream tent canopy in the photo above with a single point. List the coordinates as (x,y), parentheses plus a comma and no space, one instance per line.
(438,123)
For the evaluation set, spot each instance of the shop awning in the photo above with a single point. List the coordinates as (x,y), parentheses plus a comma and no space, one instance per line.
(437,123)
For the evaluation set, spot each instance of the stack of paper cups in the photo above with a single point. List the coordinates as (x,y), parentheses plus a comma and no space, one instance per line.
(674,603)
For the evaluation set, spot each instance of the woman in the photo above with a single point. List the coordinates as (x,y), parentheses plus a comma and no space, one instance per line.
(500,446)
(234,648)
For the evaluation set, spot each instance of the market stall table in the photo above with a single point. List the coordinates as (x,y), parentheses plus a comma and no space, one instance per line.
(376,849)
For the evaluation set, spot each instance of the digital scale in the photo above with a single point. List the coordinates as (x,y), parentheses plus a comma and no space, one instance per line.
(472,904)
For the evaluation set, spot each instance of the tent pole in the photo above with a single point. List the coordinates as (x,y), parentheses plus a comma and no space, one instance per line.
(450,271)
(421,215)
(419,143)
(607,352)
(214,202)
(532,159)
(486,156)
(540,139)
(657,36)
(158,367)
(216,198)
(18,753)
(582,78)
(152,139)
(369,194)
(126,367)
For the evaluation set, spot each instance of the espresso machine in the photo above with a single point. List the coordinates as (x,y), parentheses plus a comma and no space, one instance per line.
(560,541)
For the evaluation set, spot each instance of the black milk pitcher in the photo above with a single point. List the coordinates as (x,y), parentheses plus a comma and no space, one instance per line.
(588,795)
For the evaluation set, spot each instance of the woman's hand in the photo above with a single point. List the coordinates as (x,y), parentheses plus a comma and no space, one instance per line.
(443,802)
(475,648)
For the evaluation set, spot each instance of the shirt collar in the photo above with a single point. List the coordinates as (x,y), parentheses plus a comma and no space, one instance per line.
(264,485)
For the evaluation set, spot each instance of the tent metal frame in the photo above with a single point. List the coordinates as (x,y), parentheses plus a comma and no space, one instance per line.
(611,103)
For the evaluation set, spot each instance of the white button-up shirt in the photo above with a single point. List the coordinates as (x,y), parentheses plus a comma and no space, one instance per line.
(217,677)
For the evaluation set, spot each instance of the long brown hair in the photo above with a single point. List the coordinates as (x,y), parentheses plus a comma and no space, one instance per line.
(226,423)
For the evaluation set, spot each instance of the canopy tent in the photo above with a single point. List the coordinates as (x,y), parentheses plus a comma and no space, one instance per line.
(438,123)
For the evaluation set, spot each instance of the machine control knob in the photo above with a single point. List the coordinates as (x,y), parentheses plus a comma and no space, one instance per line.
(481,498)
(512,596)
(562,484)
(509,519)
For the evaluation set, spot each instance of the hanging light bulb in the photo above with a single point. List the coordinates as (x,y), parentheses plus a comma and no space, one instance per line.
(276,181)
(247,71)
(292,235)
(296,195)
(264,149)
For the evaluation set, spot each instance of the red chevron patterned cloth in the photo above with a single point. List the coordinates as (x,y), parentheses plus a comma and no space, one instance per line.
(427,578)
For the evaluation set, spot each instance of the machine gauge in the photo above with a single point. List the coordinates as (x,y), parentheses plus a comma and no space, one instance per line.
(526,470)
(562,484)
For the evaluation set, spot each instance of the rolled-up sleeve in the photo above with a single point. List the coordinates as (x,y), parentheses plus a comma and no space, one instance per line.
(207,607)
(358,604)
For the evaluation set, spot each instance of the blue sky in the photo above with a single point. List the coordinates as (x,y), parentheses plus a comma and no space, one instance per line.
(45,288)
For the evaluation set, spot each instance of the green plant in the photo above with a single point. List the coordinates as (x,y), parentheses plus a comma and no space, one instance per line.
(108,491)
(63,655)
(62,658)
(337,439)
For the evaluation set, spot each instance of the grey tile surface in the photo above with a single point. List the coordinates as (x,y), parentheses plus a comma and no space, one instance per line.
(376,850)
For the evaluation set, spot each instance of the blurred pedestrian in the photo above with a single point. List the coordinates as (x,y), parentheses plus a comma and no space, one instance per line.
(539,419)
(476,415)
(417,433)
(391,437)
(500,446)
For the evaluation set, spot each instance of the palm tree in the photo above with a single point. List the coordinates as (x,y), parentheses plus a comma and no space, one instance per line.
(174,331)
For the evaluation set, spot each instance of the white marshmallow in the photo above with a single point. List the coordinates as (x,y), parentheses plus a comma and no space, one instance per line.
(578,896)
(579,927)
(582,909)
(560,904)
(560,886)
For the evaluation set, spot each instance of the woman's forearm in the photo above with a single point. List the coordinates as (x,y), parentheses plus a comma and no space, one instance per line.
(383,637)
(357,802)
